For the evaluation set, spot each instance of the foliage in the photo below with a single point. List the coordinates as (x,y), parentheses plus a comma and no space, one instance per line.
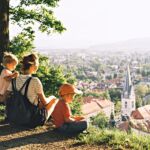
(145,70)
(76,105)
(100,121)
(2,110)
(104,95)
(92,94)
(114,138)
(117,107)
(141,90)
(52,77)
(25,13)
(115,94)
(138,102)
(23,42)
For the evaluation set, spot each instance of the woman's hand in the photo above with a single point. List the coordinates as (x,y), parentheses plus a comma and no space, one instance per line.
(41,105)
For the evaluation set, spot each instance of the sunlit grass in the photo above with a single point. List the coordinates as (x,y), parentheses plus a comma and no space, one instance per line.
(115,138)
(2,110)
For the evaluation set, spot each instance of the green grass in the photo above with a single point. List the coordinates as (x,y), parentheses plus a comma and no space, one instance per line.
(2,110)
(115,138)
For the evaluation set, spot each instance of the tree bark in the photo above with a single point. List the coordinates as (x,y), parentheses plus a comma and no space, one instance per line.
(4,28)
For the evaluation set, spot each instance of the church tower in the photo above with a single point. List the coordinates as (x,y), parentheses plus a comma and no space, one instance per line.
(128,95)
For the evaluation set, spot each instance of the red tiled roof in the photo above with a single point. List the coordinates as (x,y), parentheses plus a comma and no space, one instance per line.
(101,102)
(92,105)
(142,112)
(90,108)
(105,103)
(145,111)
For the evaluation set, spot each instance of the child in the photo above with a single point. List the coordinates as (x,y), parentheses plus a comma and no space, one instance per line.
(62,118)
(9,62)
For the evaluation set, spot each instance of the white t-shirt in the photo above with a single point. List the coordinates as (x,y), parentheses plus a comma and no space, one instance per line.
(4,83)
(35,87)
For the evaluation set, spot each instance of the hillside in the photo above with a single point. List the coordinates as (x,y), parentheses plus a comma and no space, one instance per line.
(38,139)
(138,45)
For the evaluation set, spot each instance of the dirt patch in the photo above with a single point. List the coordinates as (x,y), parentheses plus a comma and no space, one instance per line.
(40,138)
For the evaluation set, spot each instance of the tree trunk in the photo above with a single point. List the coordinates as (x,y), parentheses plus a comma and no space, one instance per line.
(4,28)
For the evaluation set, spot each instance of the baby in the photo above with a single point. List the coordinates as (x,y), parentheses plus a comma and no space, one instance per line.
(10,62)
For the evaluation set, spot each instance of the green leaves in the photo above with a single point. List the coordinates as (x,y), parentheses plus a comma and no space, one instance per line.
(40,13)
(100,121)
(51,3)
(23,42)
(114,139)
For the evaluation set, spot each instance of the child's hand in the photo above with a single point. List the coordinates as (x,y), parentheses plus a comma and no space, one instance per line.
(16,74)
(78,118)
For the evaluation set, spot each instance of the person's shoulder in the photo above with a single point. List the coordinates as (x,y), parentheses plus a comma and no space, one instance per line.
(36,80)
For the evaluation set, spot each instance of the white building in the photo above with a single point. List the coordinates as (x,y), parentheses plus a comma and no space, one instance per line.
(128,96)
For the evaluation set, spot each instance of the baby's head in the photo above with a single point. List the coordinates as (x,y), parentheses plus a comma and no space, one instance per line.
(10,61)
(67,91)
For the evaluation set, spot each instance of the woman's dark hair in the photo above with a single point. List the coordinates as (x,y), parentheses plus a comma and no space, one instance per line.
(28,61)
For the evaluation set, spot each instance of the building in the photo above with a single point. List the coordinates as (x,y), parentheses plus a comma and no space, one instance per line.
(92,106)
(142,113)
(128,96)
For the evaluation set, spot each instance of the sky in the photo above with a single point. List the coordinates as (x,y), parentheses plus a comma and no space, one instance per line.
(94,22)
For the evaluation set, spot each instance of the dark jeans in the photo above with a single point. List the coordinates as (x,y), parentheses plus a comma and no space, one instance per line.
(72,127)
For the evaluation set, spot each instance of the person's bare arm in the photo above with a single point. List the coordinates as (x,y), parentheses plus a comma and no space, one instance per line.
(46,102)
(43,100)
(13,75)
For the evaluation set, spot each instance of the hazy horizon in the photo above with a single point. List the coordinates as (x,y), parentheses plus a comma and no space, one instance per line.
(96,22)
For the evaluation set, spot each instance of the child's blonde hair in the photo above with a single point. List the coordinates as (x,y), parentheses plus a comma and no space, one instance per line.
(9,58)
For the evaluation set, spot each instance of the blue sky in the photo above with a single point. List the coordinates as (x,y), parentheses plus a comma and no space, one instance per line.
(92,22)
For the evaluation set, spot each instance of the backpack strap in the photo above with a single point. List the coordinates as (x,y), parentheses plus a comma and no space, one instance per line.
(26,83)
(13,82)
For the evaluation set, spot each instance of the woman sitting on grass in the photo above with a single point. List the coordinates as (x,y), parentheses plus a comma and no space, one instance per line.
(35,94)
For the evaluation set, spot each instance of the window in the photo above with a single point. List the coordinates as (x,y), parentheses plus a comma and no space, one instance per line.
(125,104)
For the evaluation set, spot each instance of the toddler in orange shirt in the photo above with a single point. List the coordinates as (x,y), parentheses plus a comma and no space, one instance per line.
(62,117)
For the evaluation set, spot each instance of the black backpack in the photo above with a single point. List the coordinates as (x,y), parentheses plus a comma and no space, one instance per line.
(20,111)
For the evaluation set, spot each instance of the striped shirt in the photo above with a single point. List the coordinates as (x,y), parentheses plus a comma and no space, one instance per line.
(35,87)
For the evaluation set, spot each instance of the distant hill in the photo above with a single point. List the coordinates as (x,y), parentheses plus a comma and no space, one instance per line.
(142,44)
(139,45)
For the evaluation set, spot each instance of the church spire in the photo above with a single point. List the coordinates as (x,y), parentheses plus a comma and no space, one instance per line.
(128,95)
(128,83)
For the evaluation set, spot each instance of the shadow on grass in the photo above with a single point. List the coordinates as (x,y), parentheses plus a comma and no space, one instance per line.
(6,129)
(36,138)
